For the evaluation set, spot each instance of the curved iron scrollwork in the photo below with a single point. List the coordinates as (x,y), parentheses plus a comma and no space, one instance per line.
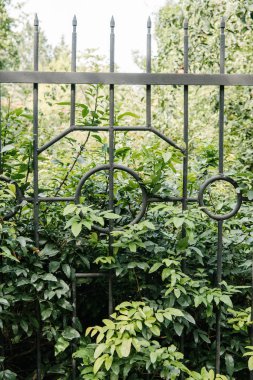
(115,167)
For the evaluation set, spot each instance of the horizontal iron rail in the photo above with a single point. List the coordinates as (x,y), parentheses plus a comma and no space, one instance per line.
(75,128)
(126,78)
(90,274)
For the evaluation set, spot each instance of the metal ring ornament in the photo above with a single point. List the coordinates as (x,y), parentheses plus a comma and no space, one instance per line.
(117,167)
(238,193)
(19,197)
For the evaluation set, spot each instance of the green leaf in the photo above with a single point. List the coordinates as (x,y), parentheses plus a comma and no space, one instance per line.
(69,209)
(49,250)
(189,318)
(108,362)
(111,215)
(229,364)
(53,266)
(50,277)
(178,222)
(70,333)
(61,345)
(67,270)
(178,328)
(250,195)
(24,325)
(131,114)
(132,247)
(99,350)
(98,363)
(8,147)
(76,228)
(7,253)
(126,347)
(46,313)
(226,299)
(250,363)
(109,324)
(155,330)
(153,356)
(85,111)
(175,312)
(155,267)
(7,375)
(4,302)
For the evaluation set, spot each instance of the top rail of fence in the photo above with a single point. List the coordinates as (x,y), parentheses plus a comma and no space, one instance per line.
(126,78)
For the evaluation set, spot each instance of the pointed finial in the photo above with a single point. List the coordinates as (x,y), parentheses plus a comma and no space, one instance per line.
(149,24)
(74,21)
(36,20)
(186,23)
(222,23)
(112,23)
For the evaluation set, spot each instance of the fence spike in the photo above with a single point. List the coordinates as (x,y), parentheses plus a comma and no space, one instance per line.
(149,23)
(186,23)
(36,20)
(74,21)
(222,23)
(112,23)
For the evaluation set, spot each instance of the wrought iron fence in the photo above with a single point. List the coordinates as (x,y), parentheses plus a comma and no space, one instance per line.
(147,79)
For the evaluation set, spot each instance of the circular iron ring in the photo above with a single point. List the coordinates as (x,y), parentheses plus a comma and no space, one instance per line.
(119,167)
(19,197)
(238,193)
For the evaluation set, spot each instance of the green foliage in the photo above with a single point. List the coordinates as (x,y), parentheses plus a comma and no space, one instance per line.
(8,45)
(165,266)
(127,344)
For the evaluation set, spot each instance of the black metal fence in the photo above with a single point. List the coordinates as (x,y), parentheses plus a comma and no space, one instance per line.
(148,79)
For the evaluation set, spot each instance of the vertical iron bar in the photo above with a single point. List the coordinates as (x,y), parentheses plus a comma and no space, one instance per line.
(72,123)
(221,114)
(74,300)
(73,69)
(251,317)
(148,70)
(2,348)
(111,156)
(220,223)
(35,178)
(185,159)
(1,169)
(35,133)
